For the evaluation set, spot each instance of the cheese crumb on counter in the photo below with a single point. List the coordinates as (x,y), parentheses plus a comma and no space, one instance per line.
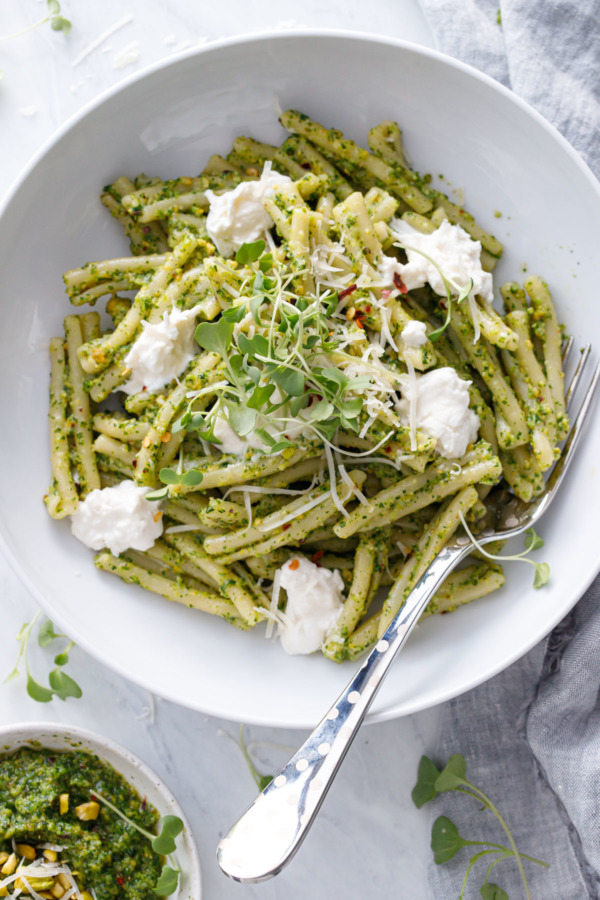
(119,518)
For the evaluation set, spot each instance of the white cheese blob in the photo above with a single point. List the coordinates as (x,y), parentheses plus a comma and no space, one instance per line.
(162,351)
(414,334)
(314,602)
(442,410)
(119,518)
(454,251)
(239,216)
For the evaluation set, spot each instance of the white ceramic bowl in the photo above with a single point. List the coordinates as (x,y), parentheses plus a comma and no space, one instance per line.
(166,122)
(134,771)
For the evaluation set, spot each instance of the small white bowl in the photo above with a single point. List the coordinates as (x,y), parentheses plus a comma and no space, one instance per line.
(135,772)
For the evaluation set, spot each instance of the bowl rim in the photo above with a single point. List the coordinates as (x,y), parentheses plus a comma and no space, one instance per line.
(39,731)
(546,625)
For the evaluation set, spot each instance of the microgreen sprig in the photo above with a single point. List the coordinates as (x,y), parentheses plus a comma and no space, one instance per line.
(60,684)
(287,357)
(262,781)
(446,840)
(163,844)
(57,22)
(532,542)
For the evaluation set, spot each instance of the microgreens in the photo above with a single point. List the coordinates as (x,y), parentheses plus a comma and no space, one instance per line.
(60,684)
(163,844)
(262,781)
(446,841)
(57,22)
(276,370)
(532,542)
(451,287)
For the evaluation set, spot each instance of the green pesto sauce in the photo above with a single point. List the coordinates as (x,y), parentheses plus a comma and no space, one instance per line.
(108,854)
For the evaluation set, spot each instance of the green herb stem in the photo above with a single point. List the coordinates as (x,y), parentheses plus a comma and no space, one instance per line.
(493,809)
(121,815)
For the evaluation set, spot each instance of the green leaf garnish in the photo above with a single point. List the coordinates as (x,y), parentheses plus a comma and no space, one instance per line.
(452,775)
(235,313)
(256,346)
(260,396)
(167,883)
(241,418)
(59,23)
(191,478)
(446,841)
(37,691)
(169,828)
(60,684)
(532,540)
(424,790)
(249,253)
(542,574)
(215,336)
(158,494)
(289,380)
(491,891)
(168,476)
(265,262)
(162,843)
(46,633)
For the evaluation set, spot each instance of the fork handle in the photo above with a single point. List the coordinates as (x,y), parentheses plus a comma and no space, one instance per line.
(268,834)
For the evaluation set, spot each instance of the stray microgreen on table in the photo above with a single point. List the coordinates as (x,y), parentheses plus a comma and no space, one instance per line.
(446,840)
(59,683)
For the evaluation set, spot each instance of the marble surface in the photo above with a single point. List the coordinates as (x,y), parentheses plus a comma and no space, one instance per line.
(368,840)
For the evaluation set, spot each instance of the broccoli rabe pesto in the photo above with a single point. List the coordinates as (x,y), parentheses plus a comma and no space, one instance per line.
(345,396)
(46,797)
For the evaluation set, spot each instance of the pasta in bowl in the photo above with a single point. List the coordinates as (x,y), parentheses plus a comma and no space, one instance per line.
(316,390)
(169,121)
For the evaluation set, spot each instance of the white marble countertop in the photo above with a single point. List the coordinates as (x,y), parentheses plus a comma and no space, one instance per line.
(368,840)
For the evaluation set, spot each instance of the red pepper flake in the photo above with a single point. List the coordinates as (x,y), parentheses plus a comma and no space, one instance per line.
(385,294)
(367,309)
(144,804)
(120,880)
(305,166)
(286,526)
(317,556)
(134,463)
(146,229)
(388,450)
(346,292)
(399,284)
(359,317)
(295,564)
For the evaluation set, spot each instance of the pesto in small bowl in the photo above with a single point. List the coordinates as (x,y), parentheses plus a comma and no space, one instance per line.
(48,797)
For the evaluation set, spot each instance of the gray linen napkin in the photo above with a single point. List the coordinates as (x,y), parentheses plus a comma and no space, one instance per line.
(531,736)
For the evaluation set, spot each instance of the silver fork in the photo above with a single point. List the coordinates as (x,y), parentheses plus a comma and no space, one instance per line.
(268,834)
